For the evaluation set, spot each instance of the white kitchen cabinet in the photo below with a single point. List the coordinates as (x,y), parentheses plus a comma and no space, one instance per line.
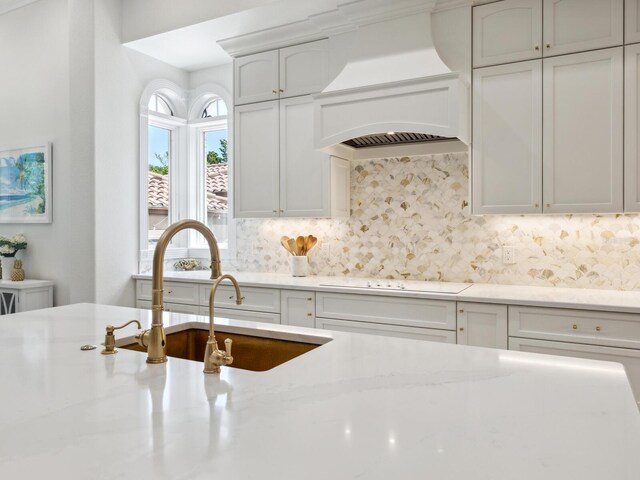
(16,297)
(632,128)
(193,309)
(304,68)
(482,325)
(412,312)
(631,21)
(278,172)
(583,132)
(507,139)
(386,330)
(508,31)
(173,292)
(245,315)
(291,71)
(579,25)
(256,78)
(630,359)
(298,308)
(257,160)
(253,298)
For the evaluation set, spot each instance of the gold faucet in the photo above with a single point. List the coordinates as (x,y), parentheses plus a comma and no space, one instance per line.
(214,358)
(155,339)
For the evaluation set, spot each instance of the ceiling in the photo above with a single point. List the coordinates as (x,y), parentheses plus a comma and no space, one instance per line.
(195,47)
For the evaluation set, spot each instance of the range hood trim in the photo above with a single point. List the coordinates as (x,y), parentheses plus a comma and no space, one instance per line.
(436,105)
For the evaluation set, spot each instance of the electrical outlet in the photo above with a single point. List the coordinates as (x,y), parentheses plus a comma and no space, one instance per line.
(508,255)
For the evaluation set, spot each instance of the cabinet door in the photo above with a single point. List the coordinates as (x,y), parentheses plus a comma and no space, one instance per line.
(245,315)
(181,308)
(8,302)
(627,357)
(256,78)
(482,325)
(577,25)
(304,171)
(507,139)
(304,69)
(632,21)
(429,334)
(632,129)
(507,31)
(298,308)
(583,132)
(256,160)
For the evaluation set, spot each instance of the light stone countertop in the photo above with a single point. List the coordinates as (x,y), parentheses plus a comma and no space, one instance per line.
(359,406)
(580,298)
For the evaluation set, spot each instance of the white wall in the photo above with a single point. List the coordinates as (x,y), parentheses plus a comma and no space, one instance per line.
(144,18)
(36,104)
(121,76)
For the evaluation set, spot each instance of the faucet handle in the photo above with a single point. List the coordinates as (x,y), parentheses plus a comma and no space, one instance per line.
(110,338)
(227,346)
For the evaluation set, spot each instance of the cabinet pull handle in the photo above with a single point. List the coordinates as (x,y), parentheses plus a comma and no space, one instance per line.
(548,45)
(575,327)
(169,292)
(548,205)
(231,297)
(274,91)
(536,205)
(310,299)
(275,211)
(309,314)
(537,47)
(461,311)
(281,211)
(598,328)
(462,329)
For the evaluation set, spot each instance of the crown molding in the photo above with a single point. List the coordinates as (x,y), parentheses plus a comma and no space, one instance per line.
(347,16)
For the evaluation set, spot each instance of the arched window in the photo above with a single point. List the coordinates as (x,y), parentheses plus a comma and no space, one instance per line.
(158,104)
(215,108)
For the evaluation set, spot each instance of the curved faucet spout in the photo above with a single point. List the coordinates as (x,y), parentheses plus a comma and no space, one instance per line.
(156,351)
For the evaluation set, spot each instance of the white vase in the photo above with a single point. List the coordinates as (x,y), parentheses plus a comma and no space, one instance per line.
(299,266)
(7,266)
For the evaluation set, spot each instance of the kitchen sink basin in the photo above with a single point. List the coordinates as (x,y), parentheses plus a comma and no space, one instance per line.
(254,350)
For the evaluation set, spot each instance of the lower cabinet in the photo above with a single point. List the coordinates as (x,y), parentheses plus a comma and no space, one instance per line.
(16,297)
(298,308)
(609,336)
(627,357)
(172,307)
(482,325)
(430,334)
(247,315)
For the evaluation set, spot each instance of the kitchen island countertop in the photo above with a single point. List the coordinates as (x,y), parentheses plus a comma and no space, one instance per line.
(359,406)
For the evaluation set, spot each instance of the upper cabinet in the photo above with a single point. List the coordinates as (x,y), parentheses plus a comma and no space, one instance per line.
(632,128)
(632,21)
(288,72)
(507,138)
(578,25)
(583,132)
(515,30)
(507,31)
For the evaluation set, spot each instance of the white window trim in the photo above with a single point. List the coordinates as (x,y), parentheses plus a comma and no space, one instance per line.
(198,185)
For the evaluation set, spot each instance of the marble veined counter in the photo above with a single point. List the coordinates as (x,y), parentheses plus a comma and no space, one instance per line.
(581,298)
(359,406)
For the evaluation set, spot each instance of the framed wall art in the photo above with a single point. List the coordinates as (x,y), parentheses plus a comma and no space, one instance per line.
(25,184)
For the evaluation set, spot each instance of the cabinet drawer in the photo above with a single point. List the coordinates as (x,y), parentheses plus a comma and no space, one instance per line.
(171,307)
(388,310)
(256,299)
(242,315)
(428,334)
(578,326)
(629,358)
(174,292)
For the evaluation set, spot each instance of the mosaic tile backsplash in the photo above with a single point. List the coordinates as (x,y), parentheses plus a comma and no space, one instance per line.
(411,216)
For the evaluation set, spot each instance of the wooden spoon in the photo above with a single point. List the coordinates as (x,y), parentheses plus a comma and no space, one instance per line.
(292,246)
(284,241)
(311,242)
(300,246)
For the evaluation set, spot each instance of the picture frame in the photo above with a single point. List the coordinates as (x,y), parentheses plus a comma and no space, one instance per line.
(25,184)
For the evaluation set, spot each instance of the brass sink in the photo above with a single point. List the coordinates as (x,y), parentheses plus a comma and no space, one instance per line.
(253,350)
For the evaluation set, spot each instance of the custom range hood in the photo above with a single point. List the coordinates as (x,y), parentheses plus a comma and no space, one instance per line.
(393,91)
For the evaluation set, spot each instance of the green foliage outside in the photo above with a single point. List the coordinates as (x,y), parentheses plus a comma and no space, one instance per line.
(214,158)
(163,168)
